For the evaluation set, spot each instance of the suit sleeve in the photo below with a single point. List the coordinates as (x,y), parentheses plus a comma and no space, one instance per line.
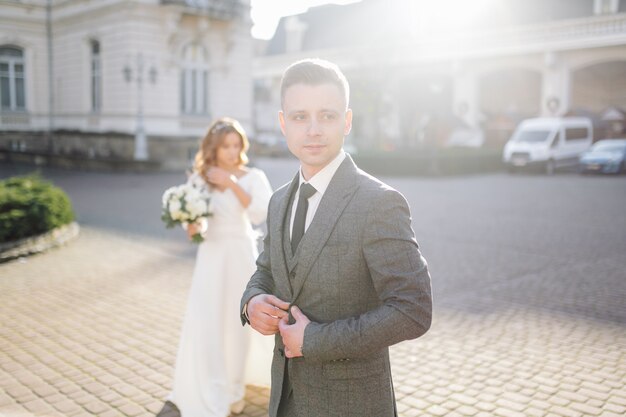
(261,281)
(400,276)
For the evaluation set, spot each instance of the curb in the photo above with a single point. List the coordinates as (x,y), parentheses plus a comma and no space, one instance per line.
(40,243)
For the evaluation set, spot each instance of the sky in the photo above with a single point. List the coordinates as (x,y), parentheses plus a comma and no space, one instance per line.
(267,13)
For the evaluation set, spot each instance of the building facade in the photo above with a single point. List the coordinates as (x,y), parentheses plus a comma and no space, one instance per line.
(422,75)
(158,68)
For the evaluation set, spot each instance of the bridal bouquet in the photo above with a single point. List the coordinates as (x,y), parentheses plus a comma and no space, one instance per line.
(185,204)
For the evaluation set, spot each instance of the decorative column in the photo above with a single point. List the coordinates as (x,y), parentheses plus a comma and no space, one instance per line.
(465,95)
(556,86)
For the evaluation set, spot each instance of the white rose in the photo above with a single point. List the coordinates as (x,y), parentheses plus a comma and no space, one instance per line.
(167,195)
(197,208)
(179,191)
(193,212)
(192,195)
(174,206)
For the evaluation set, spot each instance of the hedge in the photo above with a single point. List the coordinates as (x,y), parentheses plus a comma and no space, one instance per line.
(31,206)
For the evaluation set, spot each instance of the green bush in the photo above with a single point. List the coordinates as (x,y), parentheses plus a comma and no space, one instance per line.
(30,206)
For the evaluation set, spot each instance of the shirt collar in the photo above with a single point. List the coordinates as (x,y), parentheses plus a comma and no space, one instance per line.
(321,180)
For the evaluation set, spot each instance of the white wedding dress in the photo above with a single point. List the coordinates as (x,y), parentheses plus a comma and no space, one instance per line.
(217,356)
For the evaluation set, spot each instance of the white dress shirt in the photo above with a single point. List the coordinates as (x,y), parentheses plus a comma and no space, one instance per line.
(320,182)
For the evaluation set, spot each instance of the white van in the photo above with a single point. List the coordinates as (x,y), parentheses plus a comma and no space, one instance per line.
(550,143)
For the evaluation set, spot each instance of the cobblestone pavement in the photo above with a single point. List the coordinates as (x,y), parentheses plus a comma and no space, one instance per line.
(529,279)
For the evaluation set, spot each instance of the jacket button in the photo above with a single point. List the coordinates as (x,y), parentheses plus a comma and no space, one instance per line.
(282,352)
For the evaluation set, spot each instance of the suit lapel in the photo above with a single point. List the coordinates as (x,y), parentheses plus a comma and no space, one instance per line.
(279,222)
(337,196)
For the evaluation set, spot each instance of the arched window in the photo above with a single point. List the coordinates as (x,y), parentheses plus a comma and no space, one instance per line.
(12,83)
(96,76)
(194,80)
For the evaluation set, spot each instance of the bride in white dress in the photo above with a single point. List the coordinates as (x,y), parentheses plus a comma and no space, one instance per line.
(217,356)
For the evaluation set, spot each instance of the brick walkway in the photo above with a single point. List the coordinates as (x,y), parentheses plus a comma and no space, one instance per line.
(91,329)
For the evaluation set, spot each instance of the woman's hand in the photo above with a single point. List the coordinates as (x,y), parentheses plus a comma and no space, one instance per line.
(221,178)
(193,229)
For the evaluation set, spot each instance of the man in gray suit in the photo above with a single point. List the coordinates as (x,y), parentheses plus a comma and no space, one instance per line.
(341,277)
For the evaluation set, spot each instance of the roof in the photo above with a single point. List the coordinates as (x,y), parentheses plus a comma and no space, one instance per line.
(371,21)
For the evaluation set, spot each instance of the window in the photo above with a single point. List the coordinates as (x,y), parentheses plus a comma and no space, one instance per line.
(12,83)
(606,6)
(576,133)
(557,139)
(532,136)
(194,80)
(96,77)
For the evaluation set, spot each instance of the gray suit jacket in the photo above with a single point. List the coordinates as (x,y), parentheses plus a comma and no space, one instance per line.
(363,283)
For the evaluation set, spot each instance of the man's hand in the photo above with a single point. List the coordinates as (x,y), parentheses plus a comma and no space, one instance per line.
(293,334)
(265,311)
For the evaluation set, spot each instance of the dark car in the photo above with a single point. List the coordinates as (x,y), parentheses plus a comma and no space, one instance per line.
(607,156)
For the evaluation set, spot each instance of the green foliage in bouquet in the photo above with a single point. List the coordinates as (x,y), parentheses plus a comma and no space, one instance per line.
(170,223)
(30,206)
(167,219)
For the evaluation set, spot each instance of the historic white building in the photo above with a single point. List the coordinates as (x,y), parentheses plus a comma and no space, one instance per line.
(420,73)
(159,68)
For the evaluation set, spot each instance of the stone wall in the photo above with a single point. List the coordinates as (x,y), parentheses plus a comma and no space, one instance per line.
(96,150)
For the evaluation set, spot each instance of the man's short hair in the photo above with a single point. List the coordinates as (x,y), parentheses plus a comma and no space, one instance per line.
(314,72)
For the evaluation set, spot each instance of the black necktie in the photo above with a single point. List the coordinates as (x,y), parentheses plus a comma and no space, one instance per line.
(306,191)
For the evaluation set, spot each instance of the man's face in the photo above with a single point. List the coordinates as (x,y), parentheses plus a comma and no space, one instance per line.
(314,121)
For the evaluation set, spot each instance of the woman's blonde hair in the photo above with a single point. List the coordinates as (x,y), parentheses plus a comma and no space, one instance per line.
(206,156)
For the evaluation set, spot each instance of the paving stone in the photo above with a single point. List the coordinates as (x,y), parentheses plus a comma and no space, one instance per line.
(463,399)
(516,398)
(114,413)
(44,390)
(610,414)
(5,400)
(534,412)
(18,391)
(619,398)
(131,410)
(466,410)
(565,412)
(37,406)
(437,410)
(485,406)
(450,405)
(511,405)
(67,407)
(52,399)
(415,403)
(586,409)
(505,412)
(595,386)
(602,396)
(614,408)
(96,407)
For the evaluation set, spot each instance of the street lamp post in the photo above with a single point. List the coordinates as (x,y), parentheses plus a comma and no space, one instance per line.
(141,141)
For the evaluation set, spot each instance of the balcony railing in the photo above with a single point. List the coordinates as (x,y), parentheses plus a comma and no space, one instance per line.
(593,31)
(565,31)
(218,9)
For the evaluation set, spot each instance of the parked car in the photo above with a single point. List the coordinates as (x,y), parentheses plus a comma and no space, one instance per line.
(606,156)
(548,143)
